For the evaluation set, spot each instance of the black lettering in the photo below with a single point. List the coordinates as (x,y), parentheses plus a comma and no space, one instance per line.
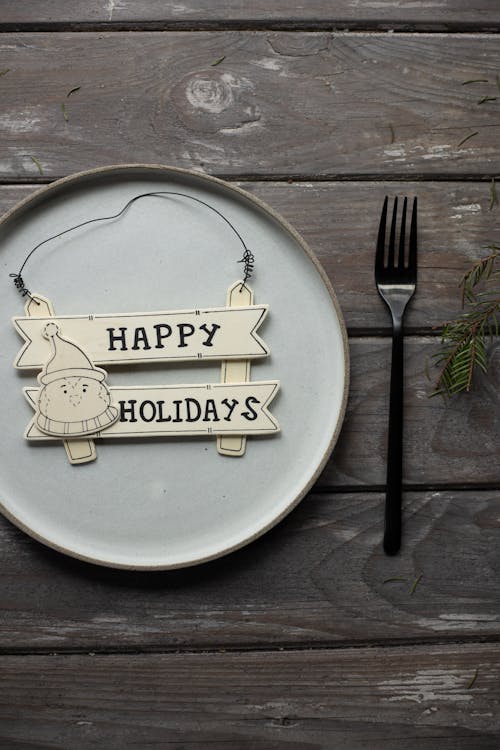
(160,336)
(230,407)
(210,411)
(211,333)
(142,413)
(251,414)
(141,337)
(124,410)
(116,337)
(177,417)
(161,418)
(196,405)
(185,330)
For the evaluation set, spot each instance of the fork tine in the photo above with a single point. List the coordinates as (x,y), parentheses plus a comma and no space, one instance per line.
(392,236)
(401,254)
(412,258)
(379,255)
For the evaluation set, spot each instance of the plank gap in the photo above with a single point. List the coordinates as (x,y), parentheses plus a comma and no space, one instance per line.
(283,25)
(326,489)
(290,647)
(486,177)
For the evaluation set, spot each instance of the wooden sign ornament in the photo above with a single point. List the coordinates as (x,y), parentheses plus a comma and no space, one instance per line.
(74,402)
(74,399)
(134,338)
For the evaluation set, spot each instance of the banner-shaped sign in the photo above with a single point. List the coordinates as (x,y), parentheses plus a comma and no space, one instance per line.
(127,338)
(75,403)
(182,410)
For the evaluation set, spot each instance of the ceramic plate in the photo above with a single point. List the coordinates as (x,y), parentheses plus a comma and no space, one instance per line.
(166,503)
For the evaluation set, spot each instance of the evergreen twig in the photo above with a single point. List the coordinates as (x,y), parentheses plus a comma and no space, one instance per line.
(464,340)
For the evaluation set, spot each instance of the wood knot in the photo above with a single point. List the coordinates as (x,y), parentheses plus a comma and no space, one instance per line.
(211,93)
(213,100)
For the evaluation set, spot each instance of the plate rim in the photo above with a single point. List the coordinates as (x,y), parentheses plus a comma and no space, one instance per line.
(137,167)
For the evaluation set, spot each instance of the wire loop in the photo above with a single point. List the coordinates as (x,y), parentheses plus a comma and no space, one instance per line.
(21,287)
(248,258)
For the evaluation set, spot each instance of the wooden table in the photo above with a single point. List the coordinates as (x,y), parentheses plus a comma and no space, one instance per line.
(299,640)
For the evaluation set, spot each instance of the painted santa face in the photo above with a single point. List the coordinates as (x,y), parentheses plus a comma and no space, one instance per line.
(73,399)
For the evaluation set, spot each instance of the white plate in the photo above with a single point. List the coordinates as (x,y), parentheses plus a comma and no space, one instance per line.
(168,503)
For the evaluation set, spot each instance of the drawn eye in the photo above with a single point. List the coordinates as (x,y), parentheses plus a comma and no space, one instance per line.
(65,391)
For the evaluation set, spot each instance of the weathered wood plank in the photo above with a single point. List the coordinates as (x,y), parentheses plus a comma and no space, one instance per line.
(454,441)
(406,697)
(339,220)
(320,577)
(353,14)
(313,104)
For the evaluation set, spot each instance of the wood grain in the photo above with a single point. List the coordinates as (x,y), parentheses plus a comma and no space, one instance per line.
(378,698)
(445,441)
(320,577)
(339,221)
(454,441)
(306,104)
(344,13)
(353,117)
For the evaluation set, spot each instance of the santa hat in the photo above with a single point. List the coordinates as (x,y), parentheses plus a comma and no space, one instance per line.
(67,360)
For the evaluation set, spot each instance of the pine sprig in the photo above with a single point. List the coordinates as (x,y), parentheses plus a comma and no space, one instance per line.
(483,269)
(464,340)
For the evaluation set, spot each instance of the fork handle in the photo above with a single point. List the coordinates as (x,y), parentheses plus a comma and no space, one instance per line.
(392,530)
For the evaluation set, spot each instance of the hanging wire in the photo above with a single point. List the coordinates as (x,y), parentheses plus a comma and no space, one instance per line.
(248,258)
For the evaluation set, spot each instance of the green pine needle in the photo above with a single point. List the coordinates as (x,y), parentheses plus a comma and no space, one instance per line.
(37,163)
(415,583)
(467,137)
(464,340)
(473,679)
(493,194)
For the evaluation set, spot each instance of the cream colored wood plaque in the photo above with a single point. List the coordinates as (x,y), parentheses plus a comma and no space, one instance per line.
(75,403)
(78,451)
(235,371)
(128,338)
(165,411)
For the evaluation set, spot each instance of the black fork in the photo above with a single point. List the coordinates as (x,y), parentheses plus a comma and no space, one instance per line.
(396,278)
